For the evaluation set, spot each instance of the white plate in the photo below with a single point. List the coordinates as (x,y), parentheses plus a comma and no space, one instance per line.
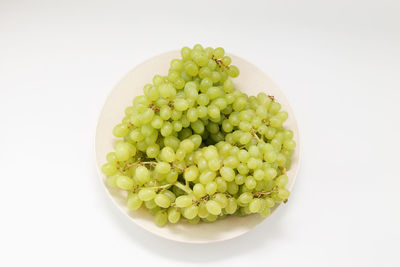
(251,81)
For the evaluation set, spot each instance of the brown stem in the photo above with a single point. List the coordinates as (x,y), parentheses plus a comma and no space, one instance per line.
(254,133)
(261,193)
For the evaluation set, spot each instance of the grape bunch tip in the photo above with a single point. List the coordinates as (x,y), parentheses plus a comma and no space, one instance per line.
(193,147)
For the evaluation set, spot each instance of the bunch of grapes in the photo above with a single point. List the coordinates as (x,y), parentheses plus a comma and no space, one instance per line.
(195,147)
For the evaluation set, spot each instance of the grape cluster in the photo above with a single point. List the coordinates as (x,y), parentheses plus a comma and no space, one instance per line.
(195,147)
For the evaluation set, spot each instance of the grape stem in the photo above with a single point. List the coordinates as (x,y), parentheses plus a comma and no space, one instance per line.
(155,108)
(265,192)
(176,167)
(161,187)
(220,63)
(184,188)
(254,133)
(123,168)
(271,97)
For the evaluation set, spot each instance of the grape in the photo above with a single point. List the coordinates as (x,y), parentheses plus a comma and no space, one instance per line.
(190,212)
(162,200)
(227,173)
(191,173)
(195,146)
(124,182)
(245,197)
(146,194)
(109,169)
(134,202)
(221,199)
(162,167)
(211,188)
(161,218)
(173,215)
(112,180)
(213,207)
(142,174)
(255,205)
(183,201)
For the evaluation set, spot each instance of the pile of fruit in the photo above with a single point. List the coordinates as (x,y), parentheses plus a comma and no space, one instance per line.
(195,147)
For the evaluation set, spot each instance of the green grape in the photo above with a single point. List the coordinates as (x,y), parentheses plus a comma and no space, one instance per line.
(162,200)
(124,182)
(192,114)
(203,212)
(169,194)
(211,188)
(270,173)
(198,127)
(250,182)
(227,173)
(269,202)
(111,157)
(167,154)
(231,206)
(232,188)
(123,151)
(213,207)
(161,218)
(233,71)
(120,130)
(136,135)
(274,108)
(183,201)
(283,193)
(109,169)
(265,212)
(172,142)
(181,104)
(289,144)
(243,169)
(180,154)
(219,52)
(150,204)
(282,181)
(177,126)
(173,215)
(157,122)
(195,220)
(153,150)
(191,173)
(222,186)
(142,174)
(112,180)
(146,194)
(255,205)
(245,197)
(134,202)
(163,167)
(214,164)
(165,112)
(196,139)
(190,212)
(221,199)
(177,64)
(185,53)
(207,177)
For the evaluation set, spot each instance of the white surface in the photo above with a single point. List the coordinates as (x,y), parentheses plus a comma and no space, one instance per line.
(251,81)
(337,61)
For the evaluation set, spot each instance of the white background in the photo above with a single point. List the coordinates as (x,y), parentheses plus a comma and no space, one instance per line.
(337,61)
